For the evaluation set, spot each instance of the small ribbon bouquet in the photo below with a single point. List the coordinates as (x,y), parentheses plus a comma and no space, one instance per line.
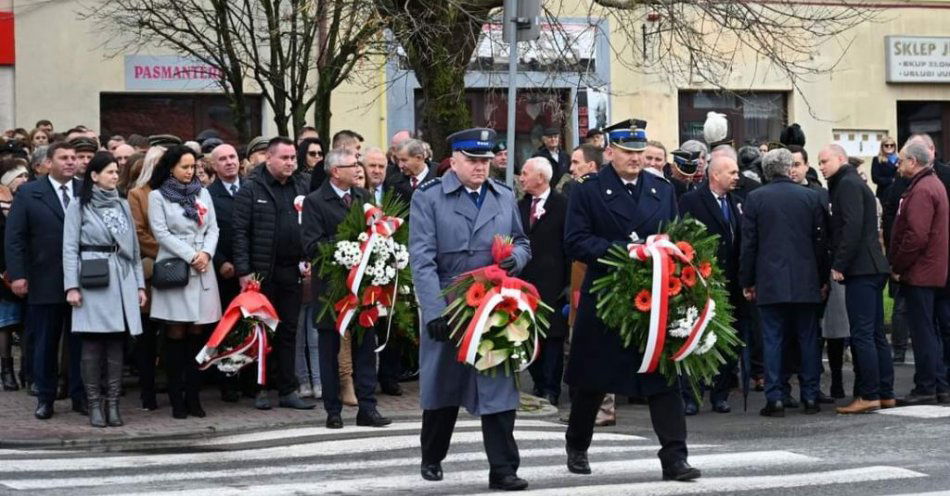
(667,297)
(497,321)
(367,270)
(242,335)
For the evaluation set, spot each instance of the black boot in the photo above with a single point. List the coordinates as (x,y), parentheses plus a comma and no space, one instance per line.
(835,349)
(175,371)
(114,374)
(193,377)
(7,376)
(91,372)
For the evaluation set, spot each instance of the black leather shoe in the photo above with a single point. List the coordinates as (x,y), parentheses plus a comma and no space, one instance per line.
(508,483)
(825,399)
(81,407)
(372,419)
(391,388)
(773,409)
(721,407)
(917,399)
(32,389)
(899,357)
(291,400)
(334,421)
(943,397)
(431,472)
(810,407)
(790,402)
(577,461)
(44,410)
(681,471)
(690,408)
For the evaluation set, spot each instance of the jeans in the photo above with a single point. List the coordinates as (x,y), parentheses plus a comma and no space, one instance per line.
(307,360)
(942,309)
(780,321)
(928,351)
(864,299)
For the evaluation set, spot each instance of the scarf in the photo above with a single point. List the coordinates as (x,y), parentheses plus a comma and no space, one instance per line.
(183,194)
(107,205)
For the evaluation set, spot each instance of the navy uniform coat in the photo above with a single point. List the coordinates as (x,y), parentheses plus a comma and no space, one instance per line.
(601,213)
(449,235)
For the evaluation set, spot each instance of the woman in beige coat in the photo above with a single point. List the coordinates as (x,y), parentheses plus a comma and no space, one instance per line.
(182,219)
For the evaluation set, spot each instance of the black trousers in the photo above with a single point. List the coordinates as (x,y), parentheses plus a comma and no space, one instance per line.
(548,369)
(498,434)
(666,414)
(48,323)
(390,359)
(364,369)
(283,291)
(145,352)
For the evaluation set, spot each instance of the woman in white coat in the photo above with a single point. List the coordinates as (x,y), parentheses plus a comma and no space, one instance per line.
(97,227)
(181,215)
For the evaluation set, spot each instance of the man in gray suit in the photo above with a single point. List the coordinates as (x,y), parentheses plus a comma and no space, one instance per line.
(454,221)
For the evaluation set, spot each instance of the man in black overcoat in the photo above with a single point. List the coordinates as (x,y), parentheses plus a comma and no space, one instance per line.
(604,210)
(542,214)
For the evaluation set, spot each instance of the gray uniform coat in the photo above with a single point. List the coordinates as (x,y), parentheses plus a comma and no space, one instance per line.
(99,312)
(179,236)
(449,235)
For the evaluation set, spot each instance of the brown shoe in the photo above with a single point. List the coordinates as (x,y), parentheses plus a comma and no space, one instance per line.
(860,405)
(891,403)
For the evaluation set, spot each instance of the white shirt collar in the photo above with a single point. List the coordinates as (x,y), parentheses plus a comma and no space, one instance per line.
(227,185)
(626,182)
(543,197)
(56,184)
(339,192)
(422,175)
(653,171)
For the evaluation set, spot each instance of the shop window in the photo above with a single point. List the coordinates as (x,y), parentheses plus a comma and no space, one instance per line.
(754,117)
(932,118)
(184,115)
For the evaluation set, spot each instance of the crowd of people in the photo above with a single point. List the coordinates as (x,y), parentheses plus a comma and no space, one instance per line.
(127,249)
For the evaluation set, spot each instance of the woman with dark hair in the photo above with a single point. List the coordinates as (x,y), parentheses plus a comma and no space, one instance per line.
(181,215)
(310,155)
(13,173)
(102,275)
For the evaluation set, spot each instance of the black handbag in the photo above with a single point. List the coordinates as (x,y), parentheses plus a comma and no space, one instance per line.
(94,273)
(170,273)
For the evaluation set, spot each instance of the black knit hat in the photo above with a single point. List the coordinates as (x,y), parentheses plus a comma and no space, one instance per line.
(792,135)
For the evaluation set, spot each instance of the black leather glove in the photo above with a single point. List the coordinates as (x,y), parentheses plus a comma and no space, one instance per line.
(439,329)
(508,265)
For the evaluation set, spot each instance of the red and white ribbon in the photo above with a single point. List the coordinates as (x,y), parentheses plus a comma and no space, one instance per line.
(298,206)
(380,228)
(509,288)
(254,346)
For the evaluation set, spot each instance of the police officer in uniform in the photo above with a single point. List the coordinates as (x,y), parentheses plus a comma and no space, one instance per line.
(604,210)
(454,220)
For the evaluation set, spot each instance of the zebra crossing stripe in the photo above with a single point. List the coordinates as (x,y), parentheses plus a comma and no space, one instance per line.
(323,431)
(551,472)
(918,411)
(342,447)
(411,463)
(731,485)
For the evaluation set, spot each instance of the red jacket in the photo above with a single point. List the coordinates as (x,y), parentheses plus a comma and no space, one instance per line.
(920,235)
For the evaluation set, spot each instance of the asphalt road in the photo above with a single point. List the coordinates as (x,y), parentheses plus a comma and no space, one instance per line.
(905,451)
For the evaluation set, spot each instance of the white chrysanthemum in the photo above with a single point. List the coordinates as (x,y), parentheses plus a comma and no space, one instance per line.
(363,237)
(679,329)
(708,342)
(692,314)
(390,272)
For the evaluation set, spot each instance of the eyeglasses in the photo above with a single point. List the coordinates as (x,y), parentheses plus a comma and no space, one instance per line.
(889,145)
(315,154)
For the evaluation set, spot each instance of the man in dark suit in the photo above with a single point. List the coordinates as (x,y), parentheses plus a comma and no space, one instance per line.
(604,210)
(858,262)
(323,211)
(412,155)
(783,269)
(550,149)
(542,214)
(227,167)
(715,205)
(34,252)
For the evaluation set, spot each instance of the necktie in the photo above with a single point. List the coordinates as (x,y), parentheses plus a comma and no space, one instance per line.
(631,188)
(65,191)
(347,200)
(414,181)
(724,205)
(534,210)
(234,189)
(474,196)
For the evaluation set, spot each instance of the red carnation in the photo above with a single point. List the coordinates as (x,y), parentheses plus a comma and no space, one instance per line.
(675,286)
(705,269)
(508,305)
(687,250)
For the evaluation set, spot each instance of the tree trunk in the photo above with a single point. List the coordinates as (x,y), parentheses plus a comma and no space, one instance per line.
(322,113)
(239,114)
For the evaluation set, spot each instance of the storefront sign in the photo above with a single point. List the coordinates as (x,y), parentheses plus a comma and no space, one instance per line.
(169,73)
(917,59)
